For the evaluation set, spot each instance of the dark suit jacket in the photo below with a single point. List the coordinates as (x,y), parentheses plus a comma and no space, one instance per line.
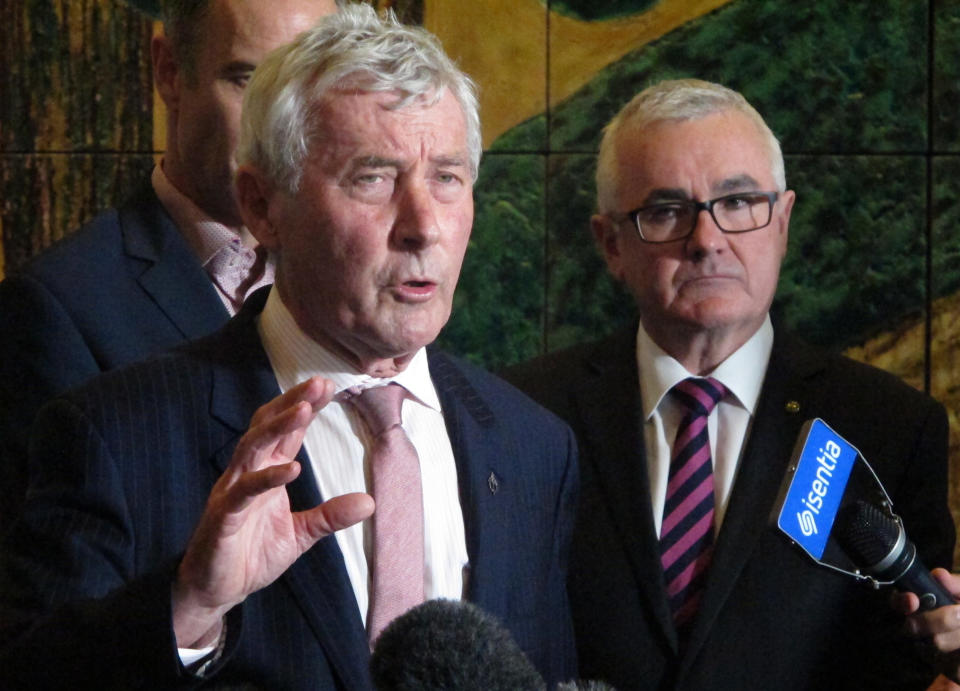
(121,288)
(770,618)
(124,466)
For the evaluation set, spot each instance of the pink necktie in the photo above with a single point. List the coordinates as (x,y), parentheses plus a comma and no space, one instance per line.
(398,518)
(686,536)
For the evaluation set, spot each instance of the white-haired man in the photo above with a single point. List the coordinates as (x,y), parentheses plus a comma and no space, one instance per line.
(200,543)
(686,424)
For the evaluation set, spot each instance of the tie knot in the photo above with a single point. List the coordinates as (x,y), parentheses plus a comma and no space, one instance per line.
(380,406)
(699,396)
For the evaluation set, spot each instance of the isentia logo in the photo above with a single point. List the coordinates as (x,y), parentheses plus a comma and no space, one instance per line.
(813,501)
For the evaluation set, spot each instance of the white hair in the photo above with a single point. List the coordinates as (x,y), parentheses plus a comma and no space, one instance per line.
(352,48)
(679,99)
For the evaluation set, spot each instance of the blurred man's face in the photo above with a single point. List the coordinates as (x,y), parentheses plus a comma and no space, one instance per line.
(204,102)
(711,283)
(371,245)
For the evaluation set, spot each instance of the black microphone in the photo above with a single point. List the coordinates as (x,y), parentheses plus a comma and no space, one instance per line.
(878,545)
(449,644)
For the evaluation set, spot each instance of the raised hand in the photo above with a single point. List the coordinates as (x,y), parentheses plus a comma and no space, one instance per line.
(248,536)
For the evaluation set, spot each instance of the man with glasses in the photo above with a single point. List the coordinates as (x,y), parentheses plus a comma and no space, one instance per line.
(686,423)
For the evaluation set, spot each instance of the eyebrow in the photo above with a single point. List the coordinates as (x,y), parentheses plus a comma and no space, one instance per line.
(374,161)
(737,183)
(666,194)
(237,67)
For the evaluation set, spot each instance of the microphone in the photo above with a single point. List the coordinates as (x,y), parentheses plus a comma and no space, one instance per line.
(878,545)
(829,507)
(449,644)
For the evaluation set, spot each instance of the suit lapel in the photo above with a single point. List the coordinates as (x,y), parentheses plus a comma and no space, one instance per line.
(242,381)
(762,467)
(480,471)
(609,405)
(172,276)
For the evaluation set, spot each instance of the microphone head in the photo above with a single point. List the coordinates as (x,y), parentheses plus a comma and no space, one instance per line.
(866,533)
(449,644)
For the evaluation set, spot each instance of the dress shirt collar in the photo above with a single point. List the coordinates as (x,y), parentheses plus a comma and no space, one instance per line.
(204,235)
(741,373)
(230,256)
(296,357)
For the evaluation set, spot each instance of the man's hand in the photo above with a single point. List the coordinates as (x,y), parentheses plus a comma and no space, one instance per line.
(940,626)
(248,536)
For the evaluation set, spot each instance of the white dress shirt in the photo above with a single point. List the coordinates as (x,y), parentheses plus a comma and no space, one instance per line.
(728,424)
(337,442)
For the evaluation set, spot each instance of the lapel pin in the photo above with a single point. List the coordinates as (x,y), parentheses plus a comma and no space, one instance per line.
(792,407)
(493,483)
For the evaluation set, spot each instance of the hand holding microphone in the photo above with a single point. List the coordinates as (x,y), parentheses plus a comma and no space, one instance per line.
(878,544)
(830,507)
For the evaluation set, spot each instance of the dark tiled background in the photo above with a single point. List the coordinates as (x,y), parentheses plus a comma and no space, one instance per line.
(863,96)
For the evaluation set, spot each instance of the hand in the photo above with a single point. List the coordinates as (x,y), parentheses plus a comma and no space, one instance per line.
(248,536)
(941,626)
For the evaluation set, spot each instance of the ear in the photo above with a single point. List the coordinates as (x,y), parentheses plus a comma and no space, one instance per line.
(166,71)
(607,238)
(257,199)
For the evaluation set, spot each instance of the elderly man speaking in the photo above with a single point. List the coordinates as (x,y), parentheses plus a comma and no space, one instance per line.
(175,531)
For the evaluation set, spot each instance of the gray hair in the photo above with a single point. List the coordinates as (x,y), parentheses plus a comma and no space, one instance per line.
(679,99)
(354,48)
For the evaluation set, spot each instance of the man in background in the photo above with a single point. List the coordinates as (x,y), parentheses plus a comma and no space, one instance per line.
(687,421)
(174,262)
(176,533)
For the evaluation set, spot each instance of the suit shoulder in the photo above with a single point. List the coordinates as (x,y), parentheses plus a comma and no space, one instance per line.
(91,244)
(141,390)
(553,377)
(846,374)
(98,246)
(486,394)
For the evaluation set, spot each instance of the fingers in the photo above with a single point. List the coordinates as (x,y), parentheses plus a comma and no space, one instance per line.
(332,515)
(316,391)
(277,428)
(949,581)
(903,602)
(252,484)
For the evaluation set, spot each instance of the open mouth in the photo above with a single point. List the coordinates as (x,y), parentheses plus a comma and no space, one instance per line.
(416,289)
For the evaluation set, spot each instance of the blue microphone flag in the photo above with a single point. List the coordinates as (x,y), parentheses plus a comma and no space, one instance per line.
(822,469)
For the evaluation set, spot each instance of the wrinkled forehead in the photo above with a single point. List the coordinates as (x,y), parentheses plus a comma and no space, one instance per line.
(721,152)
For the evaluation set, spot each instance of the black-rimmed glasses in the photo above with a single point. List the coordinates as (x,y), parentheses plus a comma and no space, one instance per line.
(733,213)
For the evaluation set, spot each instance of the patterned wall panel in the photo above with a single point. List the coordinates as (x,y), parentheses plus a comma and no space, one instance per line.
(76,80)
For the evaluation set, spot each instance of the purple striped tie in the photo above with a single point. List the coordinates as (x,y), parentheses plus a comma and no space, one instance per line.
(686,536)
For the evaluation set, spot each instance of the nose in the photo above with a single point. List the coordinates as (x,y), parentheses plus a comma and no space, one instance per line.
(416,225)
(706,236)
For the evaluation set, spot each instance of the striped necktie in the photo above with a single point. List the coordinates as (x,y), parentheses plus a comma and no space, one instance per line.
(686,535)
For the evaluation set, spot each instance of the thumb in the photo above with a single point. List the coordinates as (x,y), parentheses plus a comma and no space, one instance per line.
(332,515)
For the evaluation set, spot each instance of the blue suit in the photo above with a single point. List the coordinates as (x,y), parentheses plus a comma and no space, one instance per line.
(123,287)
(124,468)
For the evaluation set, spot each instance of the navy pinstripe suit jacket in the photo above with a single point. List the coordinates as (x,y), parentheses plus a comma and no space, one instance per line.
(122,288)
(121,469)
